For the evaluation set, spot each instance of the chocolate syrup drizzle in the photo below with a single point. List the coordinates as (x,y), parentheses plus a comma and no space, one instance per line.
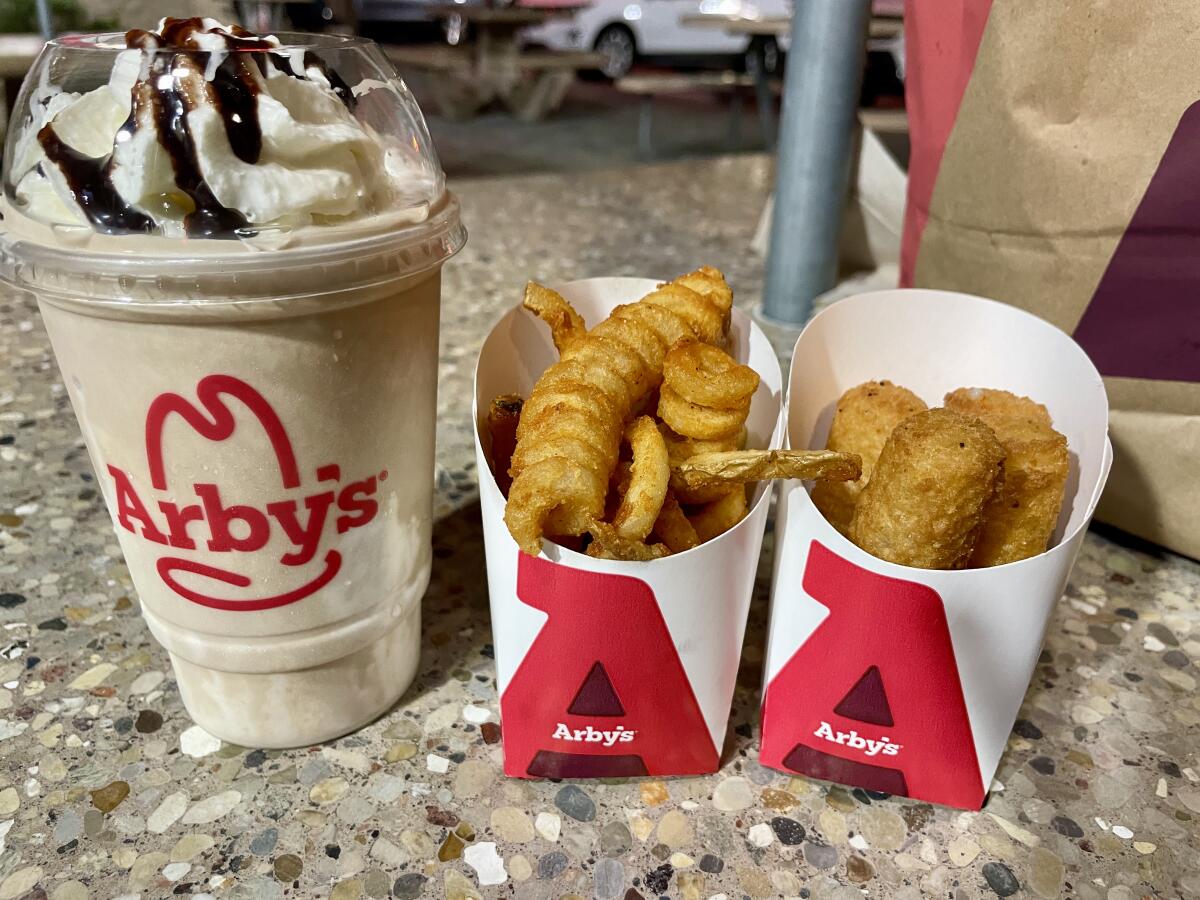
(89,183)
(166,101)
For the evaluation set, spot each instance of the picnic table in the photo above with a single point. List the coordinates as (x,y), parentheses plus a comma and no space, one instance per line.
(768,26)
(880,28)
(648,87)
(491,65)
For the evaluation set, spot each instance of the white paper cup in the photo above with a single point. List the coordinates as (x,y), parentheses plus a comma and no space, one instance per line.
(269,474)
(908,680)
(608,668)
(250,346)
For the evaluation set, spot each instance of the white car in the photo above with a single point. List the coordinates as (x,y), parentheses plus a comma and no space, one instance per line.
(626,30)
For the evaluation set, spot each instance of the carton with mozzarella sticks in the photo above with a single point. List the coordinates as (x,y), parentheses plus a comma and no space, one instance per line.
(610,667)
(908,608)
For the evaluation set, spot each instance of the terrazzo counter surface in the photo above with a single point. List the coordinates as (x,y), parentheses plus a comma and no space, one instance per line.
(108,790)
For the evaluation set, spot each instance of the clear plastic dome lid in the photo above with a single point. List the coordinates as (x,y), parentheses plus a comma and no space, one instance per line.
(201,131)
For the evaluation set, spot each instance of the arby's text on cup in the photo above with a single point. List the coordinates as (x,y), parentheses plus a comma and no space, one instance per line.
(206,519)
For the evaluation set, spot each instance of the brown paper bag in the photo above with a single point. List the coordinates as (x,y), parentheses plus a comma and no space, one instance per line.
(1070,187)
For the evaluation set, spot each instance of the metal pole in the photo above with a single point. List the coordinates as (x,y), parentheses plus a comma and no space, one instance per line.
(45,22)
(816,137)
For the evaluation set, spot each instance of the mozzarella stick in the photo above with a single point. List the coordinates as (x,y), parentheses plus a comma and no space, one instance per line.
(861,425)
(990,406)
(925,501)
(1020,520)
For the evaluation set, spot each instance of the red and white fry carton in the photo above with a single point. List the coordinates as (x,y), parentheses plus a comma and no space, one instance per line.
(608,668)
(906,680)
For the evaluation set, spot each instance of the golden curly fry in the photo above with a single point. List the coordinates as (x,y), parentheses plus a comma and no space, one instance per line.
(648,476)
(614,364)
(705,400)
(570,431)
(680,448)
(708,376)
(865,417)
(607,544)
(718,517)
(577,430)
(673,527)
(566,325)
(925,501)
(707,322)
(619,483)
(709,283)
(667,324)
(1020,520)
(534,499)
(703,422)
(744,466)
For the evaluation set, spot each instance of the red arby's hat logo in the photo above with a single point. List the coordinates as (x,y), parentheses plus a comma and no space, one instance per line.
(887,711)
(602,692)
(208,523)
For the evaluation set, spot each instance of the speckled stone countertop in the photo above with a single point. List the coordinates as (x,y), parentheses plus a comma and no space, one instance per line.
(107,790)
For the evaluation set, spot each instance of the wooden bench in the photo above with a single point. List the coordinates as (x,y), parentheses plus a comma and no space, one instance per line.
(530,83)
(648,87)
(431,57)
(577,61)
(553,73)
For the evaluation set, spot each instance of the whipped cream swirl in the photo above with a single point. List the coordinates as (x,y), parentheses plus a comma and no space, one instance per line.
(209,131)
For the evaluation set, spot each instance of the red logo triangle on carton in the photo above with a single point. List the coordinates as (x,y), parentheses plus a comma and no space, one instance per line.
(912,738)
(601,692)
(867,700)
(596,696)
(1144,319)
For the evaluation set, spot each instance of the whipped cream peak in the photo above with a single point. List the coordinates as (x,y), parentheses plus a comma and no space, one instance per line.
(198,33)
(210,131)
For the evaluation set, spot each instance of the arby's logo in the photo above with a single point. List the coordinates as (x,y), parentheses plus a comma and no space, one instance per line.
(219,524)
(601,692)
(887,712)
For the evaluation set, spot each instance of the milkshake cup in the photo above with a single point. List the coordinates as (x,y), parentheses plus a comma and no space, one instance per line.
(236,243)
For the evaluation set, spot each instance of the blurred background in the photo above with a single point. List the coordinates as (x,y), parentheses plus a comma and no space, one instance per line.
(522,86)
